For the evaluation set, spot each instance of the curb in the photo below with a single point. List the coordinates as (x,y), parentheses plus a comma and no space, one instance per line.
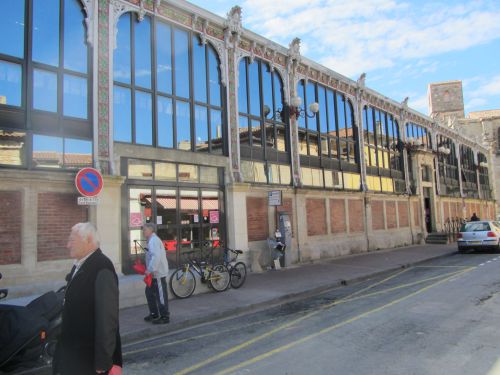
(153,331)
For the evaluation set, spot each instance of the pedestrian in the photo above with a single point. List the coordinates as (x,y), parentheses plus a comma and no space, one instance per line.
(474,217)
(157,266)
(90,337)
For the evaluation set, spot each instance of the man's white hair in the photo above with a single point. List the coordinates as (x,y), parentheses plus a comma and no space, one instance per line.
(87,231)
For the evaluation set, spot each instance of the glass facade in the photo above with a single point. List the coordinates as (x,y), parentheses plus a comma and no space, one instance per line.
(382,151)
(484,179)
(44,85)
(328,147)
(418,135)
(263,126)
(167,90)
(448,167)
(468,169)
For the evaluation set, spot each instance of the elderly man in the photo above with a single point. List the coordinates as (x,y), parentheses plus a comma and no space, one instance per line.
(90,338)
(157,265)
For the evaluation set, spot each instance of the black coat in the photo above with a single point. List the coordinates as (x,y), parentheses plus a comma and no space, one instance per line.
(90,337)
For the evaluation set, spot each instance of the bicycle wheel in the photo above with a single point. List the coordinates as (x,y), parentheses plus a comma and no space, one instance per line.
(182,283)
(219,278)
(238,275)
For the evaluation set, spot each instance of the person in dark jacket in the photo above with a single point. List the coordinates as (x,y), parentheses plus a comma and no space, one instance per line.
(474,217)
(90,338)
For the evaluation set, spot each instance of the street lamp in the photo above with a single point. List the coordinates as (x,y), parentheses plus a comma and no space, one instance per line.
(294,109)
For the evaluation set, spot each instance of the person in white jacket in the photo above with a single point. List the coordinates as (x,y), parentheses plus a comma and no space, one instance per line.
(157,265)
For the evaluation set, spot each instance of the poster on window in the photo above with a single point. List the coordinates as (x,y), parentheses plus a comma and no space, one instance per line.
(135,219)
(214,217)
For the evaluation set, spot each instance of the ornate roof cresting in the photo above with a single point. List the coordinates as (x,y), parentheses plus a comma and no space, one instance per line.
(233,27)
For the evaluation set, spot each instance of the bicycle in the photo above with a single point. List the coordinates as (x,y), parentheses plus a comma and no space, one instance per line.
(237,270)
(183,280)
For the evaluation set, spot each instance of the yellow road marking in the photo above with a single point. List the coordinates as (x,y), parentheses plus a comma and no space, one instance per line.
(335,326)
(280,328)
(443,266)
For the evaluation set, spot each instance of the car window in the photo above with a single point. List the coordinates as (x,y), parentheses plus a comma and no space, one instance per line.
(475,227)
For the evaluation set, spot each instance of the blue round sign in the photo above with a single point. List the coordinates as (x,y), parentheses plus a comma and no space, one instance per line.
(88,182)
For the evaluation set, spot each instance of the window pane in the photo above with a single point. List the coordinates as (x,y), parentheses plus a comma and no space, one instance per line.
(333,147)
(12,25)
(256,133)
(143,118)
(164,58)
(199,70)
(324,146)
(201,121)
(322,110)
(140,211)
(10,83)
(46,31)
(75,47)
(142,45)
(242,87)
(302,142)
(47,151)
(273,173)
(341,114)
(247,171)
(189,210)
(209,175)
(285,175)
(75,96)
(259,172)
(12,148)
(310,98)
(121,58)
(181,63)
(278,94)
(166,207)
(313,145)
(349,120)
(44,90)
(188,173)
(254,87)
(122,114)
(165,171)
(300,93)
(214,77)
(267,89)
(77,153)
(280,137)
(141,169)
(165,122)
(306,176)
(332,127)
(183,126)
(216,131)
(243,123)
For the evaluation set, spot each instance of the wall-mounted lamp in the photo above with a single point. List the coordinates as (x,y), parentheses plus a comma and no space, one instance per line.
(444,150)
(483,164)
(293,109)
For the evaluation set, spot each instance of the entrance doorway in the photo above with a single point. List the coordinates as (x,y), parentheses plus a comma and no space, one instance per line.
(189,215)
(428,209)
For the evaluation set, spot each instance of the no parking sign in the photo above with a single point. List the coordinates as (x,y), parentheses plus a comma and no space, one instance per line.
(88,182)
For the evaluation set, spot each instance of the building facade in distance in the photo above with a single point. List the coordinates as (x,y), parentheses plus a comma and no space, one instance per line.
(193,120)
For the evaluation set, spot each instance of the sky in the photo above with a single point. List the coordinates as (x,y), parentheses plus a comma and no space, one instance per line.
(402,46)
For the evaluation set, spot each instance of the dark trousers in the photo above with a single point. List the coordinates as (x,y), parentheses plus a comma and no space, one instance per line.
(157,297)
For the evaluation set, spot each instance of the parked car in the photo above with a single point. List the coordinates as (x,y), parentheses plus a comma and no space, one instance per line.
(479,235)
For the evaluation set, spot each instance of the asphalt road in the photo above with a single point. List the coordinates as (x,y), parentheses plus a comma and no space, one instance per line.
(441,317)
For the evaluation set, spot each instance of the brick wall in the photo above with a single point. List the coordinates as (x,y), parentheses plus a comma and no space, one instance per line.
(316,217)
(403,214)
(10,227)
(337,216)
(390,209)
(287,206)
(416,214)
(356,215)
(57,213)
(377,215)
(257,219)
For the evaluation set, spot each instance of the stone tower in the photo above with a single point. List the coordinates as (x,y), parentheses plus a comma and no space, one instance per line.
(446,101)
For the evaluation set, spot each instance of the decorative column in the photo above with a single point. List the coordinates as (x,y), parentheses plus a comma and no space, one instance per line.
(436,157)
(232,36)
(359,104)
(402,124)
(293,77)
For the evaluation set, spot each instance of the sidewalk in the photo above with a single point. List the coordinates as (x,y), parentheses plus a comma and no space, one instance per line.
(263,290)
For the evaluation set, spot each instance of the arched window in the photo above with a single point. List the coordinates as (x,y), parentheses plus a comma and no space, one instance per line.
(328,145)
(167,88)
(448,167)
(45,85)
(469,178)
(384,164)
(264,145)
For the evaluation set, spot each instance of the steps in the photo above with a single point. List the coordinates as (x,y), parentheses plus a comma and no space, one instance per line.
(440,238)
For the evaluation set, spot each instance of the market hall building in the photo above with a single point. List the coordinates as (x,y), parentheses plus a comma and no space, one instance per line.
(193,120)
